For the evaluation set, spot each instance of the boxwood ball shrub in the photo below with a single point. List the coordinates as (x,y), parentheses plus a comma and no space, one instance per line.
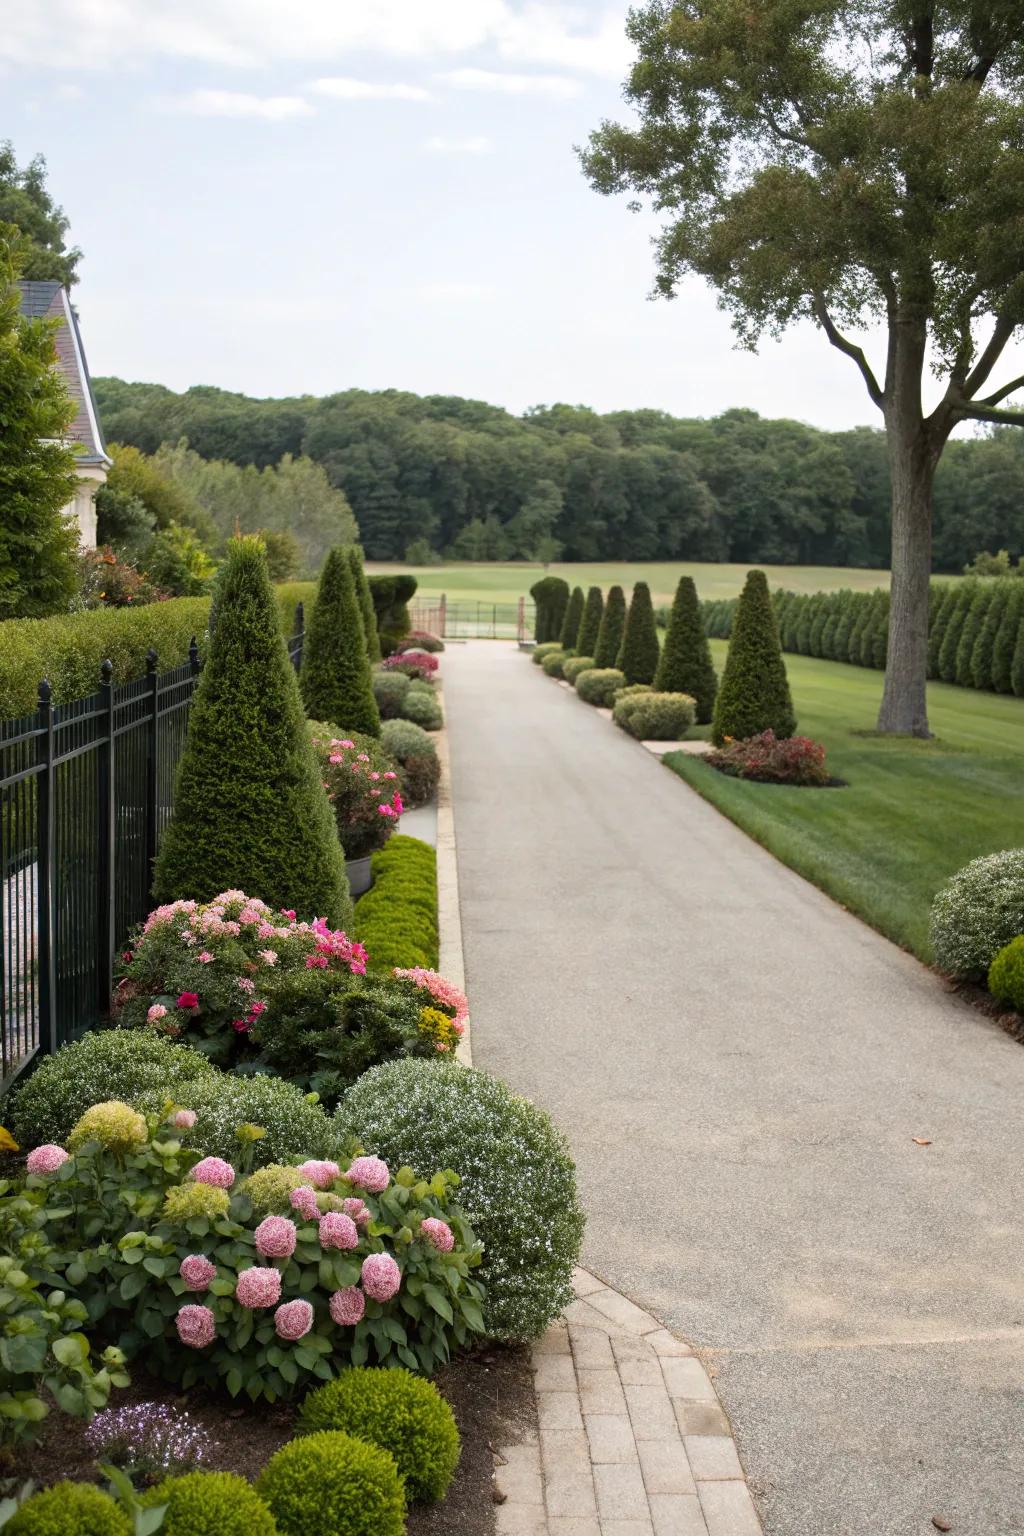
(396,920)
(69,1509)
(598,685)
(1006,975)
(249,806)
(552,662)
(572,668)
(330,1484)
(397,1411)
(978,912)
(104,1064)
(293,1126)
(539,652)
(419,767)
(754,693)
(518,1178)
(335,676)
(421,706)
(210,1504)
(655,716)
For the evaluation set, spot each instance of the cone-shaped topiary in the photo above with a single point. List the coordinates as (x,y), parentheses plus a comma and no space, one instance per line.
(685,665)
(639,652)
(590,623)
(1006,640)
(551,596)
(571,621)
(250,810)
(754,693)
(609,635)
(367,611)
(335,678)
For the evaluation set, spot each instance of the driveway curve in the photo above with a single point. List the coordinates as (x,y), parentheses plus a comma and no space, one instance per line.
(741,1067)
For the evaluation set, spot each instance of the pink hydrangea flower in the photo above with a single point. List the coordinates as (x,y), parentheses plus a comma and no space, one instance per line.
(381,1276)
(369,1173)
(289,913)
(158,1011)
(316,962)
(439,1233)
(46,1159)
(188,1000)
(204,957)
(303,1200)
(215,1171)
(275,1237)
(196,1326)
(258,1287)
(293,1320)
(358,1210)
(338,1231)
(184,1119)
(197,1271)
(347,1306)
(322,1174)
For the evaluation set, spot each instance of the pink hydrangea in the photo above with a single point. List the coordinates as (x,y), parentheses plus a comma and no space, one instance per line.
(197,1272)
(322,1174)
(358,1210)
(303,1200)
(258,1287)
(215,1171)
(196,1326)
(369,1173)
(46,1159)
(157,1011)
(381,1276)
(338,1231)
(293,1320)
(275,1237)
(439,1233)
(347,1306)
(184,1119)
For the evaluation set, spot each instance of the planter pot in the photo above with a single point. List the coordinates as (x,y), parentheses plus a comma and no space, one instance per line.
(360,876)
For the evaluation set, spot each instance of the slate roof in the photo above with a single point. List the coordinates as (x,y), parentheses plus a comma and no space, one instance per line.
(49,300)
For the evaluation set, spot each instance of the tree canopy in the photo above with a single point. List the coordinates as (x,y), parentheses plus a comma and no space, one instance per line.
(26,203)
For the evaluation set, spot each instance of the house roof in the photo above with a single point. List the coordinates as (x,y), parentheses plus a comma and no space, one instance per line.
(51,301)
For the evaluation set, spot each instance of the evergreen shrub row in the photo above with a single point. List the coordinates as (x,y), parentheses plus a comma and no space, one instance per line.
(397,919)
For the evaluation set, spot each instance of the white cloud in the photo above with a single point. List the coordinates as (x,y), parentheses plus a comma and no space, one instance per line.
(478,145)
(344,88)
(239,104)
(498,83)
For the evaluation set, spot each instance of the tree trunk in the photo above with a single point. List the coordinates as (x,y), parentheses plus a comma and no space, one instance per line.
(913,459)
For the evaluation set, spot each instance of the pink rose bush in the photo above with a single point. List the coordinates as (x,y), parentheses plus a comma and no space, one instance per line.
(361,781)
(421,664)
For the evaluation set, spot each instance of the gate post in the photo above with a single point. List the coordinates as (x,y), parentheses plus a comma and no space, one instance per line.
(443,616)
(106,836)
(46,874)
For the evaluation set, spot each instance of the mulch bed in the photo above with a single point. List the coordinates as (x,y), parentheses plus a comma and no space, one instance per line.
(491,1394)
(751,778)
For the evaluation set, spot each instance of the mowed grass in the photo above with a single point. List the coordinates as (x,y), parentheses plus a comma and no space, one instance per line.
(506,582)
(914,812)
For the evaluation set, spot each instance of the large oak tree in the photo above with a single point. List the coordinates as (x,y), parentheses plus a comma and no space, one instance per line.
(851,161)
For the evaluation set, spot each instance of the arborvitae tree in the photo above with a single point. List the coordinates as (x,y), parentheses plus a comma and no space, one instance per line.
(1017,664)
(985,644)
(841,634)
(366,609)
(803,628)
(825,608)
(335,676)
(571,621)
(1006,640)
(954,629)
(609,635)
(938,624)
(880,633)
(639,652)
(973,624)
(754,693)
(590,623)
(551,596)
(794,614)
(869,634)
(861,614)
(685,665)
(250,812)
(828,630)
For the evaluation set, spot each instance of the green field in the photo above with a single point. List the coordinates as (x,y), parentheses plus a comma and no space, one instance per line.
(508,581)
(914,811)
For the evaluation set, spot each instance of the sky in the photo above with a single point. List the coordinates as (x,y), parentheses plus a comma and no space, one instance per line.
(301,196)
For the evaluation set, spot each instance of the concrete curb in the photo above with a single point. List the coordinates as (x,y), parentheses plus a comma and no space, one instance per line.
(449,913)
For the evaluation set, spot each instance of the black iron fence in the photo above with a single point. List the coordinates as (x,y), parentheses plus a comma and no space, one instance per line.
(86,790)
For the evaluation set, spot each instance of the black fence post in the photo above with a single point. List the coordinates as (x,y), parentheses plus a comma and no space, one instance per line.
(152,759)
(193,656)
(46,875)
(299,637)
(106,833)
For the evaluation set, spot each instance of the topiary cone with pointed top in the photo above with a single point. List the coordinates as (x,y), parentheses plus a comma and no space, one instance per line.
(609,635)
(685,665)
(639,652)
(335,677)
(754,693)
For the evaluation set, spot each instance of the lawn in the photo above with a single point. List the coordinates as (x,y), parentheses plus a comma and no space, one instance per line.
(507,581)
(914,811)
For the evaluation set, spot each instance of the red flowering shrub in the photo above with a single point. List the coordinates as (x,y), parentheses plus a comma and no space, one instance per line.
(413,664)
(772,759)
(420,640)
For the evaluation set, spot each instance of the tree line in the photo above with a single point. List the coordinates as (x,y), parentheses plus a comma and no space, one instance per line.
(440,476)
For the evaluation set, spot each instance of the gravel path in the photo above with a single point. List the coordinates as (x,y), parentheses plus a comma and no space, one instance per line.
(741,1067)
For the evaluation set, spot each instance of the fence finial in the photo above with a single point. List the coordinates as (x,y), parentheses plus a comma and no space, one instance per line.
(193,654)
(300,618)
(106,672)
(45,691)
(151,660)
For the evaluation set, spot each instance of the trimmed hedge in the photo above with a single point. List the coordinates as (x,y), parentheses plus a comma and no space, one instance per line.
(574,665)
(551,664)
(754,694)
(599,686)
(655,716)
(397,918)
(1006,975)
(391,597)
(639,652)
(419,766)
(685,664)
(548,648)
(585,643)
(423,708)
(978,912)
(609,634)
(551,597)
(335,676)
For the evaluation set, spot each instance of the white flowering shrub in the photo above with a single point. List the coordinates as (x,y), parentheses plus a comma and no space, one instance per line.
(518,1179)
(978,912)
(293,1125)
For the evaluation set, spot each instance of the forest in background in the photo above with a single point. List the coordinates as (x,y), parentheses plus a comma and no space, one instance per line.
(440,476)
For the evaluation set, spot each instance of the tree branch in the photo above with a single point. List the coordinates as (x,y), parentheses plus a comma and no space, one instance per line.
(1001,394)
(847,347)
(1001,333)
(975,412)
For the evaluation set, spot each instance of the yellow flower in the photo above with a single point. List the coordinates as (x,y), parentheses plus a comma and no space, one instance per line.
(438,1027)
(113,1124)
(250,1132)
(183,1201)
(7,1141)
(268,1188)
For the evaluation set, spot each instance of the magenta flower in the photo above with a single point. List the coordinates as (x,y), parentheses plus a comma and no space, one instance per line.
(196,1326)
(215,1171)
(322,1174)
(47,1158)
(197,1272)
(158,1011)
(439,1233)
(316,962)
(241,1026)
(347,1306)
(184,1119)
(358,1210)
(303,1200)
(293,1320)
(369,1173)
(338,1231)
(381,1276)
(289,913)
(188,1000)
(258,1287)
(275,1237)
